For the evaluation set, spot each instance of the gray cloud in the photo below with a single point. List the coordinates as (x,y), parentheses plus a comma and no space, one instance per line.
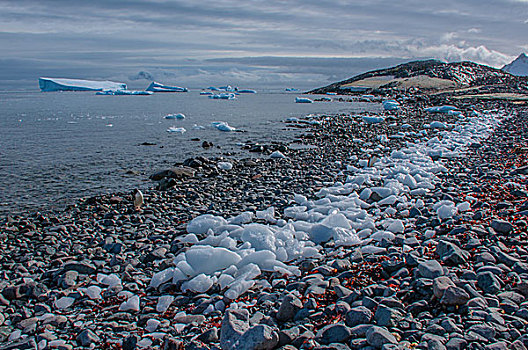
(252,40)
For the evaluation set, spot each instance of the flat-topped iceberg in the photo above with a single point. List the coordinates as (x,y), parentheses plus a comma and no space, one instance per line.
(223,96)
(303,100)
(124,92)
(62,84)
(157,87)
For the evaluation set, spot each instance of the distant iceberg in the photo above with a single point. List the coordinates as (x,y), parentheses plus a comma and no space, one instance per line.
(123,92)
(206,93)
(61,84)
(303,100)
(223,96)
(247,91)
(157,87)
(291,89)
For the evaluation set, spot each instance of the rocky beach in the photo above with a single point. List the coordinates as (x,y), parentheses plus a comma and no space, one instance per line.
(400,230)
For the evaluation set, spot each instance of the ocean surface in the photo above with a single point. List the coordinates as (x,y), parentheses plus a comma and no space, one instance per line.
(56,147)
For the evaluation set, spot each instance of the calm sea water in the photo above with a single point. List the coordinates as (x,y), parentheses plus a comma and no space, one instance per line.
(56,147)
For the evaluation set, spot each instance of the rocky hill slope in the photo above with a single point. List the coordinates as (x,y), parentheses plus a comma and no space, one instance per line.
(431,76)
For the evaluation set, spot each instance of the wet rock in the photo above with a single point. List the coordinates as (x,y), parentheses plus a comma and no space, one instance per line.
(501,226)
(290,305)
(430,269)
(334,333)
(260,337)
(358,315)
(378,336)
(87,337)
(234,324)
(488,282)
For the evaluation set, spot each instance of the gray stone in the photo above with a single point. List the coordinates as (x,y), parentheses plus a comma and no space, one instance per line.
(501,345)
(289,307)
(440,284)
(501,226)
(334,333)
(260,337)
(386,316)
(234,324)
(430,269)
(84,267)
(451,254)
(488,282)
(454,296)
(87,337)
(484,330)
(456,344)
(378,336)
(358,315)
(209,336)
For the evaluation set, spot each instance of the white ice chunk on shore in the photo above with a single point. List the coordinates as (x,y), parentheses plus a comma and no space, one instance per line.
(207,259)
(199,284)
(203,223)
(371,119)
(164,303)
(61,84)
(225,165)
(277,155)
(391,105)
(131,304)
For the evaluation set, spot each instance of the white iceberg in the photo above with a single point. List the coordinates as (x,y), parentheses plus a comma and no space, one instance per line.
(174,129)
(223,96)
(222,126)
(157,87)
(62,84)
(303,100)
(124,92)
(175,116)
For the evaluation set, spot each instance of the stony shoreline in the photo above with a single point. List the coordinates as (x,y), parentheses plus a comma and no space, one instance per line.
(455,283)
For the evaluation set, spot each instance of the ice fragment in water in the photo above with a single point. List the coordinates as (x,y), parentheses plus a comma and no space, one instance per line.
(222,126)
(176,130)
(303,100)
(175,116)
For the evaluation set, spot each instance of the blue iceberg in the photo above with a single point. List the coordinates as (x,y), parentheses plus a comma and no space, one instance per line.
(157,87)
(303,100)
(62,84)
(124,92)
(224,96)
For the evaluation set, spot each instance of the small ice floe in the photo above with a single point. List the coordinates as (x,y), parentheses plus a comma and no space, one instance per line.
(327,99)
(175,116)
(331,93)
(303,100)
(124,93)
(247,91)
(391,105)
(225,165)
(198,127)
(291,89)
(174,129)
(223,126)
(223,96)
(157,87)
(293,119)
(372,119)
(206,93)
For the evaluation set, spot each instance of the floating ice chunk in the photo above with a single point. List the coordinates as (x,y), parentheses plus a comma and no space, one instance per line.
(207,259)
(303,100)
(93,292)
(242,218)
(223,96)
(198,127)
(175,116)
(157,87)
(64,302)
(291,89)
(277,155)
(123,92)
(161,277)
(203,223)
(247,91)
(370,119)
(199,284)
(225,165)
(223,126)
(164,302)
(174,129)
(132,304)
(206,93)
(60,84)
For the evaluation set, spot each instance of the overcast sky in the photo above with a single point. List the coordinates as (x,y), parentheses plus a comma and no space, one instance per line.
(248,43)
